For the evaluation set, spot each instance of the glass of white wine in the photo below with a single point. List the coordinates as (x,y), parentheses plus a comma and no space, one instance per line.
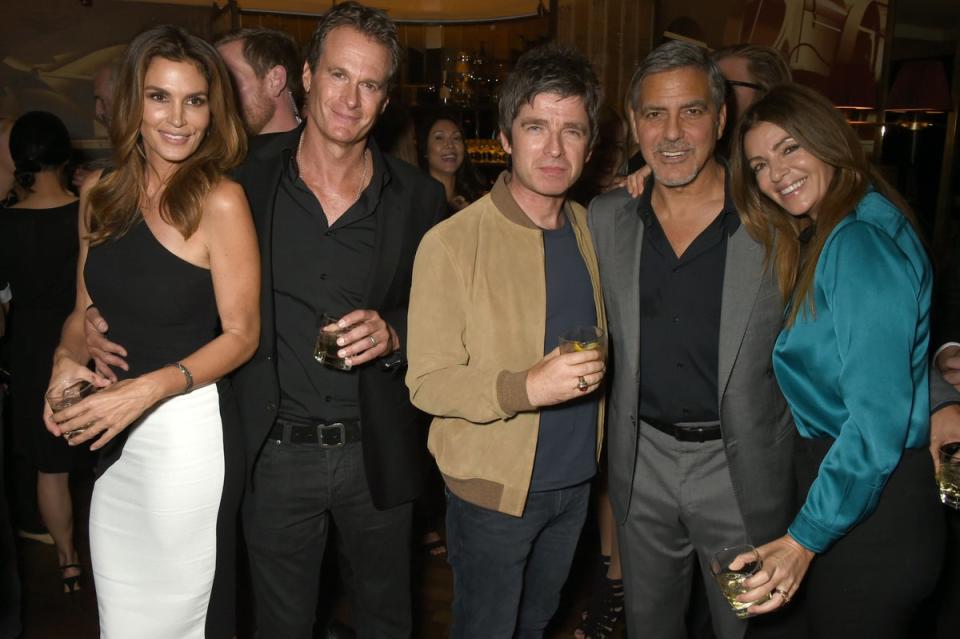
(731,567)
(948,477)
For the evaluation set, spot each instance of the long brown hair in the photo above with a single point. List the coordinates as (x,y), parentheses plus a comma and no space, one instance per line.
(819,128)
(115,200)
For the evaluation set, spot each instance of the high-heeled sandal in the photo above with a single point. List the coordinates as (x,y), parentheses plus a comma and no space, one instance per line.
(71,584)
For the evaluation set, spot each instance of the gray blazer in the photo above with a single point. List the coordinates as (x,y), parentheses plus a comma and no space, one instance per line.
(758,430)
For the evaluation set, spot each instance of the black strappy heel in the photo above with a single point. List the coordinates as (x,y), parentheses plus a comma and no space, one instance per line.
(71,584)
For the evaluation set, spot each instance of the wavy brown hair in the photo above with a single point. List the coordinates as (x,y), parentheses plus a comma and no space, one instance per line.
(114,203)
(821,130)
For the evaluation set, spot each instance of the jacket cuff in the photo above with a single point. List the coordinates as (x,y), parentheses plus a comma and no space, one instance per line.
(512,392)
(810,535)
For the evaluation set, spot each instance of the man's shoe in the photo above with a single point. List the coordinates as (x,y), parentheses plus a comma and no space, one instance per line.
(42,537)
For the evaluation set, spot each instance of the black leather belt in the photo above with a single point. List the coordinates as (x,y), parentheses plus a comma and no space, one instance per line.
(332,435)
(687,433)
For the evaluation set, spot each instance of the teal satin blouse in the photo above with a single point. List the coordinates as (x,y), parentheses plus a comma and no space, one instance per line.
(857,369)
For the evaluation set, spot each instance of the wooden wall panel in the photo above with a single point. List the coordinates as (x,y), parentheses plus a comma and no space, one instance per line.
(615,34)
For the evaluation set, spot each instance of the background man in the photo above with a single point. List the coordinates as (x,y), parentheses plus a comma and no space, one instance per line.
(103,94)
(750,71)
(265,66)
(517,424)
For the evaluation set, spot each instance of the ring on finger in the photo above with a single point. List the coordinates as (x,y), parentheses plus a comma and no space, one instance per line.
(783,595)
(76,431)
(582,385)
(373,341)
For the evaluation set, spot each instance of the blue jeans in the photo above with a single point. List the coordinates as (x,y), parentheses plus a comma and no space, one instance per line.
(508,571)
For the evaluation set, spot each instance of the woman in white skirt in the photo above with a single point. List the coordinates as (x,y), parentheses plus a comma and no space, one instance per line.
(168,255)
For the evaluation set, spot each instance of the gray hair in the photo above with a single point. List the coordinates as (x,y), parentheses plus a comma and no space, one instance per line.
(550,68)
(677,54)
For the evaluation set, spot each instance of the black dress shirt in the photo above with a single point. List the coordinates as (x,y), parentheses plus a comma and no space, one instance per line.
(327,273)
(680,318)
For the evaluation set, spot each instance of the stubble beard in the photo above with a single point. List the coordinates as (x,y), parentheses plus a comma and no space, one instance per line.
(258,115)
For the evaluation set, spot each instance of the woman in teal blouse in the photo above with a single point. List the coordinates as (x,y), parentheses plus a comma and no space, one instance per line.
(852,363)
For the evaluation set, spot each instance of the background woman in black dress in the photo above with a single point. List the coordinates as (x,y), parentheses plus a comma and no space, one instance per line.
(38,257)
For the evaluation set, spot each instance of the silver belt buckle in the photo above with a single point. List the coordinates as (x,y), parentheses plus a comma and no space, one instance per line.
(340,439)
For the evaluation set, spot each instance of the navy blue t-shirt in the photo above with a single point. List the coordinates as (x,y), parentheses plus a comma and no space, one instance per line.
(566,447)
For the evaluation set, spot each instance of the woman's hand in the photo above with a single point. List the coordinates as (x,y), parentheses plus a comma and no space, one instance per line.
(785,562)
(636,180)
(66,370)
(103,415)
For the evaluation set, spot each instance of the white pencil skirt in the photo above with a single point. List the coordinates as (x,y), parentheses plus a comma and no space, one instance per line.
(153,522)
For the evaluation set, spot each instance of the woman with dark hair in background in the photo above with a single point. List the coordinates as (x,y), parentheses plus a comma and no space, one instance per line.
(168,253)
(443,155)
(38,257)
(852,364)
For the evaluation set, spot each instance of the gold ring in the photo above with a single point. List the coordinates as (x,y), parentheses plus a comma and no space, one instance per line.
(373,341)
(70,434)
(582,385)
(783,595)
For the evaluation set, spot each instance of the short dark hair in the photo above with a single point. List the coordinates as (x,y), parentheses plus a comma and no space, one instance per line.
(264,49)
(550,68)
(765,64)
(39,141)
(677,54)
(373,23)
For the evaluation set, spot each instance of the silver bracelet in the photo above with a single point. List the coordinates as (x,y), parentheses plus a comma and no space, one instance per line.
(186,373)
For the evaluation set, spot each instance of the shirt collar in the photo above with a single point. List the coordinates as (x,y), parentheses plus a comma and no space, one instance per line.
(504,201)
(381,170)
(730,219)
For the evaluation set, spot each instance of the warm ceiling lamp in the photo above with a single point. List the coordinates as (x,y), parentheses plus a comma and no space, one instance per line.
(406,11)
(920,87)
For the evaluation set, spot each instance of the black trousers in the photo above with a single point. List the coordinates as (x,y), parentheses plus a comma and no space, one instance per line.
(872,583)
(9,580)
(297,489)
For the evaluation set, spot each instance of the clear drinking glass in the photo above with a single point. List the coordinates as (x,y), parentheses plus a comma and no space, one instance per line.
(67,394)
(948,477)
(325,350)
(584,338)
(747,561)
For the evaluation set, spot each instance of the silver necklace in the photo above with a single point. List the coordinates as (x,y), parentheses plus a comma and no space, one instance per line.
(363,172)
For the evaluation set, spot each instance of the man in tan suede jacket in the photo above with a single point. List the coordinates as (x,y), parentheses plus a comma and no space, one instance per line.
(517,424)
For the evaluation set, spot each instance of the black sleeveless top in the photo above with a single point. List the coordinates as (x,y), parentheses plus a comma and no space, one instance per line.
(158,306)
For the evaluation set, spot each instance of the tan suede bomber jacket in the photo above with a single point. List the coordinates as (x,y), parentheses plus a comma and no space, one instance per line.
(476,324)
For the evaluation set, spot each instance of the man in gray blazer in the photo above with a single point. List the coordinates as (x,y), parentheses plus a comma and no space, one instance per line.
(700,447)
(701,439)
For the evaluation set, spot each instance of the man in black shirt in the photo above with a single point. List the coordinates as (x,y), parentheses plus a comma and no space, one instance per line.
(700,438)
(338,224)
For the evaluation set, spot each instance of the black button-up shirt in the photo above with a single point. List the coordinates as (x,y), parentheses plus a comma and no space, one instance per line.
(680,318)
(318,268)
